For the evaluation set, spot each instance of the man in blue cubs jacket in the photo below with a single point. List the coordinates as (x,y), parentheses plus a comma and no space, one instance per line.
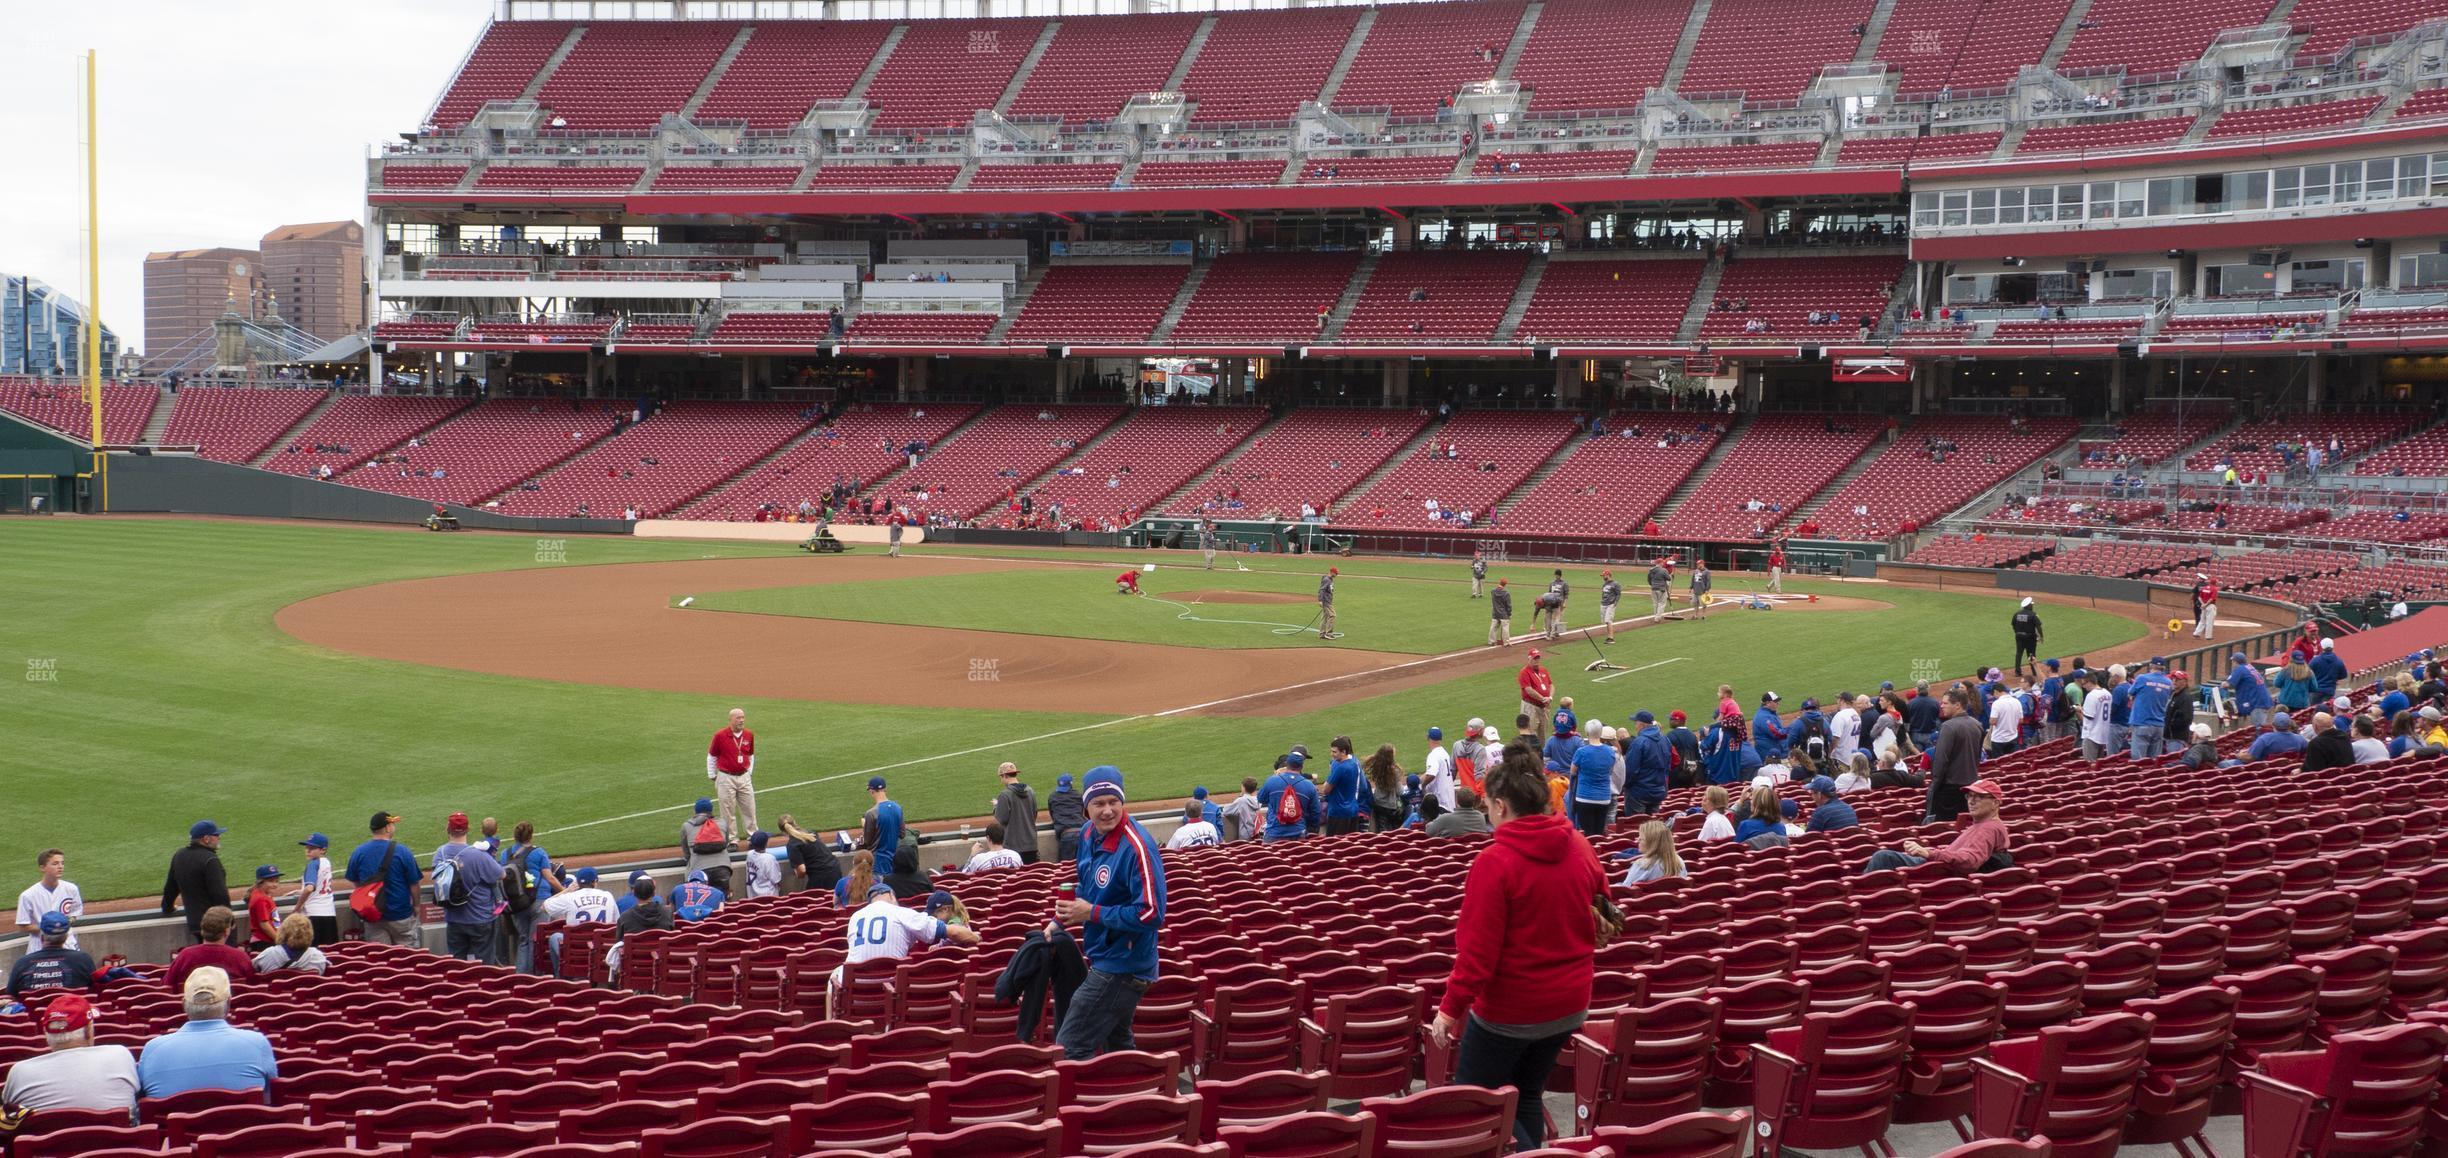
(1288,801)
(1646,766)
(1120,905)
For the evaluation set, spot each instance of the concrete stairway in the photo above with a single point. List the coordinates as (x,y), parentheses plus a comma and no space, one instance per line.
(753,469)
(1725,445)
(1350,300)
(331,398)
(722,64)
(1189,56)
(1522,294)
(552,64)
(1181,302)
(1343,62)
(1504,506)
(1521,39)
(1873,30)
(1683,46)
(2079,11)
(1198,484)
(1020,296)
(1426,435)
(884,51)
(1836,486)
(1028,64)
(1702,295)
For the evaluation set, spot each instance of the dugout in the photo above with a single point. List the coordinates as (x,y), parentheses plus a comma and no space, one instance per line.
(1237,536)
(37,464)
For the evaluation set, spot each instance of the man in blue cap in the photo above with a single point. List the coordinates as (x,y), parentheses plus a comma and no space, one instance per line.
(2251,692)
(705,845)
(1119,906)
(881,827)
(1827,812)
(1209,811)
(584,902)
(1065,812)
(1646,766)
(196,881)
(51,963)
(1288,800)
(2147,718)
(695,899)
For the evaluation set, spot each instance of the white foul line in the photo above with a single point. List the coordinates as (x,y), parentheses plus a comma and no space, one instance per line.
(1643,667)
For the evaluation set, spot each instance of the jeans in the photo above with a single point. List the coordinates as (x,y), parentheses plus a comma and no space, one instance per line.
(1642,805)
(1488,1059)
(2260,717)
(2149,741)
(2120,736)
(471,942)
(1888,858)
(1590,818)
(403,931)
(1099,1020)
(522,937)
(2093,749)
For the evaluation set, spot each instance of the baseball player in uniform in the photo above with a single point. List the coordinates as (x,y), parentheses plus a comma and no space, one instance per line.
(1500,615)
(1608,592)
(1537,692)
(1553,603)
(1700,585)
(1659,594)
(1478,573)
(895,524)
(1326,616)
(1776,567)
(731,765)
(1206,540)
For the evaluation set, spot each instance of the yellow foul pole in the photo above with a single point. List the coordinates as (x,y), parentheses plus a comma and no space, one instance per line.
(93,285)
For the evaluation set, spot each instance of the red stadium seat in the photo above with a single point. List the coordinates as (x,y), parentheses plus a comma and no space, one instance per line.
(1112,1127)
(1832,1081)
(1259,1098)
(2074,1083)
(721,1138)
(1446,1122)
(1003,1139)
(1313,1135)
(479,1141)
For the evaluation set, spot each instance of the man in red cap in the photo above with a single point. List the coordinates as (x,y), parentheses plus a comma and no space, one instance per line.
(1537,692)
(1326,618)
(1980,841)
(75,1075)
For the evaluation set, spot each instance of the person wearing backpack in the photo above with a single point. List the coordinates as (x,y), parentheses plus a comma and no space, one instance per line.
(527,882)
(467,884)
(383,876)
(1288,800)
(704,846)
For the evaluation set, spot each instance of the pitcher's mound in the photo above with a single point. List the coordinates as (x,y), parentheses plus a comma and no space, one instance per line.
(1238,597)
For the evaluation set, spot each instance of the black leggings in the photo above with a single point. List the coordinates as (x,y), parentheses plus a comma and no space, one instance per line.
(1591,819)
(1488,1059)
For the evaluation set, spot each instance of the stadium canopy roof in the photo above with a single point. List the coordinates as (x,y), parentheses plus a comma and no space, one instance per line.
(884,9)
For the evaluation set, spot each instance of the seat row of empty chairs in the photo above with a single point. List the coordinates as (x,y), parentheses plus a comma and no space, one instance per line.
(1778,461)
(487,449)
(1906,486)
(1610,485)
(1428,296)
(1784,291)
(2119,560)
(661,464)
(1979,550)
(358,427)
(2250,447)
(984,467)
(1313,456)
(235,425)
(1612,300)
(1150,455)
(1097,303)
(860,446)
(1467,464)
(63,407)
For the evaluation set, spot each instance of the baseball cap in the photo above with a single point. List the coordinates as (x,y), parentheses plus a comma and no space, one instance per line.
(315,840)
(265,872)
(381,821)
(1809,702)
(704,804)
(1295,759)
(2283,719)
(2431,714)
(1491,733)
(1301,750)
(1823,785)
(874,889)
(1199,793)
(67,1013)
(1771,698)
(2046,663)
(1607,574)
(1436,733)
(1607,734)
(697,876)
(458,822)
(939,899)
(1789,808)
(2328,644)
(640,875)
(54,924)
(1677,716)
(1988,788)
(2342,705)
(2179,675)
(1063,781)
(587,876)
(875,784)
(2158,661)
(1889,685)
(1643,717)
(1534,653)
(2237,657)
(759,839)
(1334,570)
(209,981)
(204,828)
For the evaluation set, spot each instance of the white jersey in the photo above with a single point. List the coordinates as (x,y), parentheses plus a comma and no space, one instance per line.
(884,929)
(991,859)
(764,874)
(1845,726)
(1437,778)
(584,905)
(1196,834)
(37,902)
(315,897)
(2095,715)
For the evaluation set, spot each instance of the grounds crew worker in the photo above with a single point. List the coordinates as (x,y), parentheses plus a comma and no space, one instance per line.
(1326,624)
(1557,592)
(2026,624)
(1700,585)
(1207,537)
(1478,573)
(1500,612)
(1660,579)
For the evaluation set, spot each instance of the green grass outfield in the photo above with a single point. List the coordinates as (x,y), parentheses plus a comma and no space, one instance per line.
(147,686)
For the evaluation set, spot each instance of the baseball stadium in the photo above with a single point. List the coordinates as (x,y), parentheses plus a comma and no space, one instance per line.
(1035,577)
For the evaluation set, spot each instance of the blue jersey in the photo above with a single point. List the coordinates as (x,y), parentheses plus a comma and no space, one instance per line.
(2149,699)
(1343,789)
(1121,875)
(695,901)
(1593,767)
(1286,821)
(1768,733)
(2251,694)
(888,833)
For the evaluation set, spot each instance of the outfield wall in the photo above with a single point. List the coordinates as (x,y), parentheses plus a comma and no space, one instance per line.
(2157,599)
(178,484)
(856,534)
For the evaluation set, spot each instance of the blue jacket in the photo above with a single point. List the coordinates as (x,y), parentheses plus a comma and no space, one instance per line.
(2052,695)
(1564,722)
(1645,766)
(1727,761)
(2328,671)
(2269,744)
(2251,695)
(1757,826)
(2151,692)
(1559,749)
(2294,694)
(1593,768)
(2120,704)
(2390,705)
(1831,816)
(1122,876)
(1270,796)
(1768,733)
(1803,724)
(1343,789)
(399,876)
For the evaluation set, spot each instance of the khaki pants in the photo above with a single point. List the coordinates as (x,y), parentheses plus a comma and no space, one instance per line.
(1210,553)
(1555,623)
(400,932)
(1700,604)
(895,549)
(1499,631)
(1326,624)
(1776,580)
(735,802)
(1478,586)
(1658,599)
(2206,622)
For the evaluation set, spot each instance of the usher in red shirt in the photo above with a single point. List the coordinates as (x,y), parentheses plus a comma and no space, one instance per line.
(731,752)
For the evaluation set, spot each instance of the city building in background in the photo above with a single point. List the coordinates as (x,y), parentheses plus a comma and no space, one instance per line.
(185,292)
(315,276)
(42,331)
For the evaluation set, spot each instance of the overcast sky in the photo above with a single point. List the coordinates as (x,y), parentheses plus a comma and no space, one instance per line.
(220,121)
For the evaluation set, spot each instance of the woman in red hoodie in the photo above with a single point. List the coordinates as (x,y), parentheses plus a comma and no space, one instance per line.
(1525,946)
